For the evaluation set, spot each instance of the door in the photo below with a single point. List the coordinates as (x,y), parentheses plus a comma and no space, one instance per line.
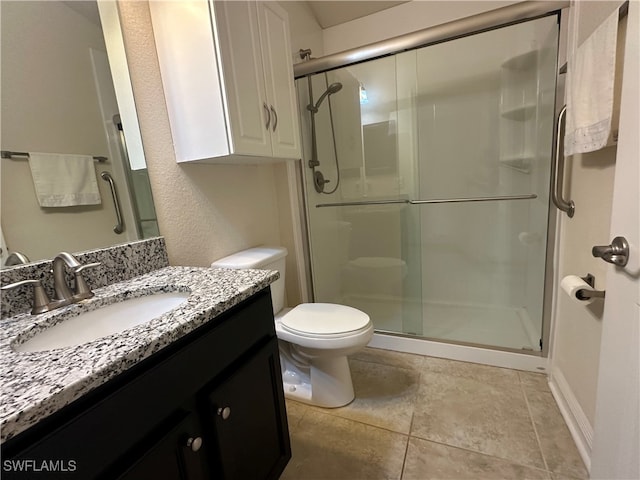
(617,422)
(238,41)
(249,419)
(279,83)
(174,455)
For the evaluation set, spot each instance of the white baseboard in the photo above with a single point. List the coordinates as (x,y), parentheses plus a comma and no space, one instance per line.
(575,418)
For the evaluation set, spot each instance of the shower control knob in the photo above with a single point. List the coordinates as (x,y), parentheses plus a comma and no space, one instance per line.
(224,412)
(194,443)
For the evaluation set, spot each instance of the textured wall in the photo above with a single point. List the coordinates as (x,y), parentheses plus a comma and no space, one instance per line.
(204,211)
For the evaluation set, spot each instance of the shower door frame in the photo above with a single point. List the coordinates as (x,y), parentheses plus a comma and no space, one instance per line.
(490,20)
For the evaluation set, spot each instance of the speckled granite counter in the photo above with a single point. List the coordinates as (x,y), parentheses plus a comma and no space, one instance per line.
(37,384)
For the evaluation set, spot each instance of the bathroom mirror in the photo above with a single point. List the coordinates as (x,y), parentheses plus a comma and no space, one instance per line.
(66,89)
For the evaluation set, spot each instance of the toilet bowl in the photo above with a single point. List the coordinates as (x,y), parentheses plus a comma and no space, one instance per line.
(314,338)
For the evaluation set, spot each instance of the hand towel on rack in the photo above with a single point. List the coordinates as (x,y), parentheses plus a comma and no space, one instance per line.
(64,180)
(590,90)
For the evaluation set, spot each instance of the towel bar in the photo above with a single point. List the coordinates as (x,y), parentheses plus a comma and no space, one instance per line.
(10,154)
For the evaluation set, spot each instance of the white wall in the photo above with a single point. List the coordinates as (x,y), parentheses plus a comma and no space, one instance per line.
(204,211)
(405,18)
(208,211)
(577,328)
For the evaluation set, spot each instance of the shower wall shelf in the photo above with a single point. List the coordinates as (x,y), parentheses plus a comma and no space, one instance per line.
(521,113)
(518,111)
(522,62)
(521,164)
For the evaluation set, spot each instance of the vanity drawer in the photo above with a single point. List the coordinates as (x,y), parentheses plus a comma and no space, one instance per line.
(97,431)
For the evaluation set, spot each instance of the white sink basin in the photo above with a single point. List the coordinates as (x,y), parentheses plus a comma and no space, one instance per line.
(110,319)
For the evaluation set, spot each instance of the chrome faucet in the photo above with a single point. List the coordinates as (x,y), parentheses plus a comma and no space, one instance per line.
(63,294)
(62,291)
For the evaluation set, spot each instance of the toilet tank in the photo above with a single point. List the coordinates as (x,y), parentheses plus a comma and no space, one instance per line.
(263,258)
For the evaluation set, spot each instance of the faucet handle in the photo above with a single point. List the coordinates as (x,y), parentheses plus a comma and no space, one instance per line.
(40,298)
(82,288)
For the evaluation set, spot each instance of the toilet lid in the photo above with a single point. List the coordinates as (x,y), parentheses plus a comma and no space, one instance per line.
(324,319)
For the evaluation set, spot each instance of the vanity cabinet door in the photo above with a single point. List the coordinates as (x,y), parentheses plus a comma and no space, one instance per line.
(248,419)
(174,454)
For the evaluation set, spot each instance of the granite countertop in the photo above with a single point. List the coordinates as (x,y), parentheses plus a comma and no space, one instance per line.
(37,384)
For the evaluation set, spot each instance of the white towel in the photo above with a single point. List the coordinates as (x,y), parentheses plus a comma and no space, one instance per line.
(590,87)
(64,180)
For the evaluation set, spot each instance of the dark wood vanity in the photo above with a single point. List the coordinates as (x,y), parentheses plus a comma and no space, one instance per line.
(209,405)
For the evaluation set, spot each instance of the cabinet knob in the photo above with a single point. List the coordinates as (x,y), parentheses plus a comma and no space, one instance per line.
(194,443)
(224,412)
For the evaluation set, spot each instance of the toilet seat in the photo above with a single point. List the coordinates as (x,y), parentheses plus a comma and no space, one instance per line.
(324,320)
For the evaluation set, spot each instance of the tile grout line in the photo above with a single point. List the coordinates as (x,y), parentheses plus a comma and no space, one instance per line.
(533,424)
(327,411)
(478,452)
(406,450)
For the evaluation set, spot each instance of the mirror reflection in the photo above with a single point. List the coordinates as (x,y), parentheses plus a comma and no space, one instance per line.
(58,101)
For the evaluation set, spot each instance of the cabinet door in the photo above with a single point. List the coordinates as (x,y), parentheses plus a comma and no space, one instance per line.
(173,454)
(249,419)
(190,78)
(278,71)
(238,41)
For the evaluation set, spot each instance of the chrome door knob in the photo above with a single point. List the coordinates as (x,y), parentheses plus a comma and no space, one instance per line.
(224,412)
(194,443)
(616,253)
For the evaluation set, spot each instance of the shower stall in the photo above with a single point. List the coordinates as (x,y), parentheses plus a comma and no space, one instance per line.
(427,182)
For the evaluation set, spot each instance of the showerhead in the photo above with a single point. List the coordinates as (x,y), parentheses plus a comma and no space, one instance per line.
(331,89)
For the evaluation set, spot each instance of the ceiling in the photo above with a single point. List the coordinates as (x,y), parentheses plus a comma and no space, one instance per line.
(327,12)
(334,12)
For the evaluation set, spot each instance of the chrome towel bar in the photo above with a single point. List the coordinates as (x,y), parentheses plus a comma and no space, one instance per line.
(426,202)
(10,154)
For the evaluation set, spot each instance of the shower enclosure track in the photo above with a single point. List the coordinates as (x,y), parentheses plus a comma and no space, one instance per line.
(426,202)
(500,17)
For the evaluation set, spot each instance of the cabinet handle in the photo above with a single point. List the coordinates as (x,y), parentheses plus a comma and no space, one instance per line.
(275,118)
(266,109)
(224,412)
(194,443)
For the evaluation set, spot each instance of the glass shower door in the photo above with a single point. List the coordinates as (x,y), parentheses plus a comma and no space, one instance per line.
(364,237)
(432,207)
(485,123)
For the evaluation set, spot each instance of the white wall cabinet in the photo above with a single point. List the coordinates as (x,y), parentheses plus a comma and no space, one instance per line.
(228,80)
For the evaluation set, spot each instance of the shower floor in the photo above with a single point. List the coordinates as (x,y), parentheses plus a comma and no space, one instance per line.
(502,327)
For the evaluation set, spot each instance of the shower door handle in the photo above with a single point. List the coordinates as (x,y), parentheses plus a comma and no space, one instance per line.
(557,171)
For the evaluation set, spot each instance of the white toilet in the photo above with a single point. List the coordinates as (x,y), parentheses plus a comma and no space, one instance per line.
(314,338)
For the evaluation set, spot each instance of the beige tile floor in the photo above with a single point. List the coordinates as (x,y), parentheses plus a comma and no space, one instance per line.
(422,418)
